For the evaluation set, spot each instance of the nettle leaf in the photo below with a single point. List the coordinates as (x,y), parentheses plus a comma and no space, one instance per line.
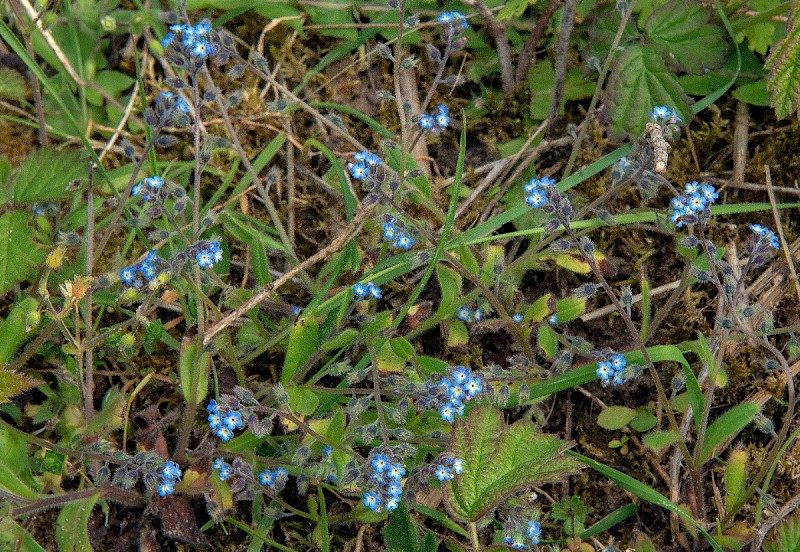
(20,254)
(687,41)
(500,460)
(603,29)
(45,175)
(639,81)
(13,85)
(783,64)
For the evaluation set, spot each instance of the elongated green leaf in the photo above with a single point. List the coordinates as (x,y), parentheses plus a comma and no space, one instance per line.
(659,439)
(500,460)
(727,425)
(680,29)
(193,371)
(302,344)
(639,81)
(72,533)
(644,492)
(783,64)
(20,254)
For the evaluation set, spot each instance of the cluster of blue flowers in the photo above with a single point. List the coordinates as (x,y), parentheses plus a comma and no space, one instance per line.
(223,425)
(394,235)
(386,481)
(192,37)
(465,314)
(365,291)
(663,114)
(766,234)
(448,469)
(146,271)
(461,386)
(365,163)
(692,206)
(453,19)
(210,255)
(438,121)
(612,370)
(535,191)
(148,188)
(517,541)
(170,474)
(169,99)
(274,479)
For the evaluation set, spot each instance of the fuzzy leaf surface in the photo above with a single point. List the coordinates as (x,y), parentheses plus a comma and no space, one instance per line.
(20,254)
(783,64)
(641,80)
(680,30)
(500,460)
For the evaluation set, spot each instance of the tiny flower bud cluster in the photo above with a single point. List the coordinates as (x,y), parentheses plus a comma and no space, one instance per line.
(367,291)
(436,122)
(146,271)
(170,474)
(694,204)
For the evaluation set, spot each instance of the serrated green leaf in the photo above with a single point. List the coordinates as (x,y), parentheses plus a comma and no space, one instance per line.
(681,31)
(615,417)
(603,29)
(45,175)
(20,254)
(660,439)
(72,533)
(302,344)
(12,84)
(639,81)
(783,64)
(500,460)
(727,425)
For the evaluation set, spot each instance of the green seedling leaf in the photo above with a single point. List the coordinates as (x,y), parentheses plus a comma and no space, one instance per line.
(457,333)
(783,65)
(302,344)
(45,175)
(20,254)
(401,533)
(615,417)
(639,81)
(727,425)
(660,439)
(680,30)
(570,308)
(500,460)
(787,538)
(547,340)
(644,422)
(72,533)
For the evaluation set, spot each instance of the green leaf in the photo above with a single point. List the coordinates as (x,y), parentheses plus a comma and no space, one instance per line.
(514,8)
(45,175)
(644,422)
(302,344)
(547,340)
(539,309)
(783,64)
(570,308)
(192,367)
(660,439)
(401,534)
(72,533)
(12,329)
(639,81)
(12,84)
(20,254)
(727,425)
(13,384)
(615,417)
(754,93)
(787,538)
(681,30)
(450,284)
(500,460)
